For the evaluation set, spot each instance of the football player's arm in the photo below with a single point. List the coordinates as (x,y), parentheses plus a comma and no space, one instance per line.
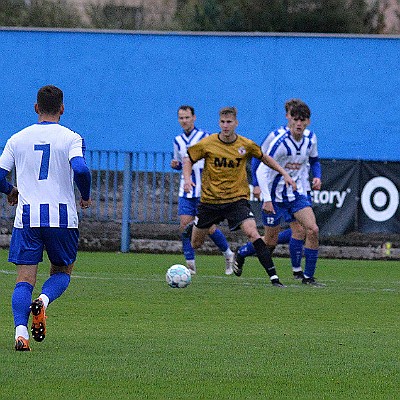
(263,180)
(187,174)
(5,187)
(175,162)
(255,162)
(270,162)
(316,171)
(82,179)
(8,189)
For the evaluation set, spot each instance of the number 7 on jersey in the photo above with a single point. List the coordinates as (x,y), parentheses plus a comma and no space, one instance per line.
(44,165)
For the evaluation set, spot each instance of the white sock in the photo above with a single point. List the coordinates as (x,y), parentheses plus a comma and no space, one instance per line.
(227,253)
(45,300)
(21,330)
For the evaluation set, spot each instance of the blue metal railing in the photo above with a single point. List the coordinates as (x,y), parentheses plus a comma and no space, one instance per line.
(127,187)
(139,184)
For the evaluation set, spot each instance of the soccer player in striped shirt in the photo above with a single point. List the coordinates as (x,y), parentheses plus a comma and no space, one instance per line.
(296,153)
(265,145)
(188,202)
(296,244)
(48,158)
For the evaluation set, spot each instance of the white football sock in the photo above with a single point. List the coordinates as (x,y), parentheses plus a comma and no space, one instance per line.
(227,253)
(21,330)
(45,300)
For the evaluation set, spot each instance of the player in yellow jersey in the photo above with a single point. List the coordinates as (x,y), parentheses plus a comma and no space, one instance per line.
(225,189)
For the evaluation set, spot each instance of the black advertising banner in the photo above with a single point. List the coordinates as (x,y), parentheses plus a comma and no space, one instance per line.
(356,196)
(379,197)
(335,205)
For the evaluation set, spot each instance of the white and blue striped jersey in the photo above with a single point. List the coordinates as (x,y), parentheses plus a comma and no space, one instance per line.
(294,157)
(41,155)
(255,163)
(181,143)
(271,136)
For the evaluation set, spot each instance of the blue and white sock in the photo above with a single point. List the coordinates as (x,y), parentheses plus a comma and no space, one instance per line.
(56,285)
(220,240)
(21,330)
(20,303)
(296,253)
(247,249)
(311,256)
(284,236)
(187,248)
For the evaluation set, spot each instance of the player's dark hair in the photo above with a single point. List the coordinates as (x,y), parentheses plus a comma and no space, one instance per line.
(186,107)
(228,110)
(49,99)
(300,111)
(290,103)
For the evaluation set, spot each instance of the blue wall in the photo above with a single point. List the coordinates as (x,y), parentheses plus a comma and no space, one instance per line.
(122,90)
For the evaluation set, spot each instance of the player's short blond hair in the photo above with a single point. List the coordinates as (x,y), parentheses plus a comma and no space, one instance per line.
(228,110)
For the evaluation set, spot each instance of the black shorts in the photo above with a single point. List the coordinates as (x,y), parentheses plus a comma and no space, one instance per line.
(236,212)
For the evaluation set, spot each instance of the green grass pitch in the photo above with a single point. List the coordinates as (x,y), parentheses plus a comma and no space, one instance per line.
(119,332)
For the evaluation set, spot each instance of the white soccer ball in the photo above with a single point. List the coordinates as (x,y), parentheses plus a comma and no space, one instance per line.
(178,276)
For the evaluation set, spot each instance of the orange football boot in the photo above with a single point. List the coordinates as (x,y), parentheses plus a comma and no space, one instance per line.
(38,327)
(22,344)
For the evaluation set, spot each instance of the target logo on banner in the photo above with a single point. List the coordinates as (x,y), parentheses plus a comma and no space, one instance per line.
(380,199)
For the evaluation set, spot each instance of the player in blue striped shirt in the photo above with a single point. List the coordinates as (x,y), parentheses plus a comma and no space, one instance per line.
(48,158)
(285,235)
(296,153)
(296,243)
(188,202)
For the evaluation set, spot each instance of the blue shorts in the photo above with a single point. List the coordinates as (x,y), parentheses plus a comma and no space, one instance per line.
(27,245)
(188,206)
(285,211)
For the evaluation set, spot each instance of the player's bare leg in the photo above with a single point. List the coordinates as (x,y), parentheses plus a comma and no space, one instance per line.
(307,218)
(271,236)
(198,236)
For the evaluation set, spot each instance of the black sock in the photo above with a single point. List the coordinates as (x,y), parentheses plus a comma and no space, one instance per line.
(264,256)
(271,249)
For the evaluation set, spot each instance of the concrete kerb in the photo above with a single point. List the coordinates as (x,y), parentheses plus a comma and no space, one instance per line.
(161,246)
(341,252)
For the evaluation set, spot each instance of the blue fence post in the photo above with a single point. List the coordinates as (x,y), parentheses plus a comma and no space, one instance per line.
(126,204)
